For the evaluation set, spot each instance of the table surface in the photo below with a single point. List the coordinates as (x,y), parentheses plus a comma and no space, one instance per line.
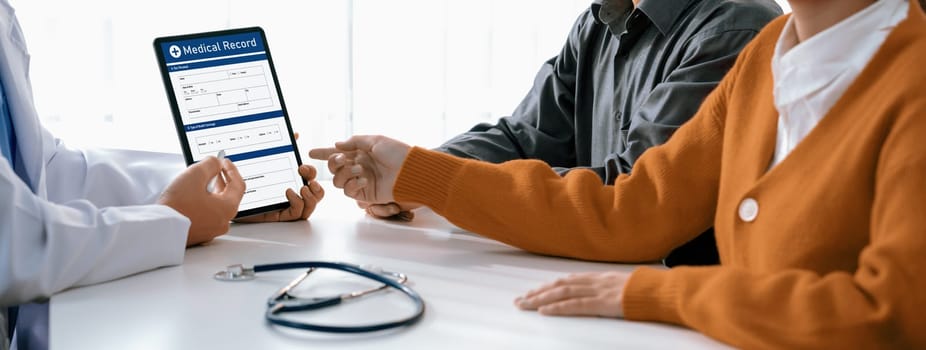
(468,283)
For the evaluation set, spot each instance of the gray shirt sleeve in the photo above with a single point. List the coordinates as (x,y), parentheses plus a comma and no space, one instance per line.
(541,127)
(595,106)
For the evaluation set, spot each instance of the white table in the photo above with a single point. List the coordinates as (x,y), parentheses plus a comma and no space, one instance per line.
(468,283)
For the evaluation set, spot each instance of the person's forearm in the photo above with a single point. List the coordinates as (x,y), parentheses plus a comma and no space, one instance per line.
(526,204)
(791,309)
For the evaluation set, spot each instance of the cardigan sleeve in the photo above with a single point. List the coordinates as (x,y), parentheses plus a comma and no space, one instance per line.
(526,204)
(880,305)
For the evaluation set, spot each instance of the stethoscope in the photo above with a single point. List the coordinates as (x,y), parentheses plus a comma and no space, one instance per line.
(282,301)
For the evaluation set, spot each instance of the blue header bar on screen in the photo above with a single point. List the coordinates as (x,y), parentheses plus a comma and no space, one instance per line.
(233,121)
(217,62)
(212,47)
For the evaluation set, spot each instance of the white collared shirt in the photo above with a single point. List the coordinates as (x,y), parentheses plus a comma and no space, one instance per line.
(812,75)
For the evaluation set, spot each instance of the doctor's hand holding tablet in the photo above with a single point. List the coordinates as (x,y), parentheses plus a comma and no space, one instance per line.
(301,205)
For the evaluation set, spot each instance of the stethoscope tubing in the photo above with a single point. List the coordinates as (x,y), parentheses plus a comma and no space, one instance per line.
(273,311)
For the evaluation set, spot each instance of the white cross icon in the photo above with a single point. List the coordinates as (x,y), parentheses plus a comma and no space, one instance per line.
(174,51)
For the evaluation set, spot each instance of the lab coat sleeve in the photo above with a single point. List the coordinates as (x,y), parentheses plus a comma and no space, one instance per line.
(108,177)
(48,247)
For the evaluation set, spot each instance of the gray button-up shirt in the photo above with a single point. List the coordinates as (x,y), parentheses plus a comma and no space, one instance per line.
(626,79)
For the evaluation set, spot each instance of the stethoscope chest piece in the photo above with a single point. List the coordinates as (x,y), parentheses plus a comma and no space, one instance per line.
(236,272)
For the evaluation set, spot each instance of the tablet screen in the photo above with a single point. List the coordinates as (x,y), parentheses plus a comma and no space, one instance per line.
(225,98)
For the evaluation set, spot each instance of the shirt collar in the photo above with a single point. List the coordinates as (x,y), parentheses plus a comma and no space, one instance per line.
(832,44)
(662,13)
(810,65)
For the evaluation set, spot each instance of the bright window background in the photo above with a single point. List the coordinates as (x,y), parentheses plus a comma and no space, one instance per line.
(417,70)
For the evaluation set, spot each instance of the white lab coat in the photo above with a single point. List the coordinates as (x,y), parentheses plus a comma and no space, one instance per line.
(81,217)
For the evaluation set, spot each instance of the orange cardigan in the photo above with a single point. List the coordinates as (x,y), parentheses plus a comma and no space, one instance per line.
(835,256)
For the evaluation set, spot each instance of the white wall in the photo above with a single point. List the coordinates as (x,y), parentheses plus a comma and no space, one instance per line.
(418,70)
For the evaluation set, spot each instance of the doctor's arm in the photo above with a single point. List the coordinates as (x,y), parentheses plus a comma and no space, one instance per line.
(107,177)
(47,247)
(116,177)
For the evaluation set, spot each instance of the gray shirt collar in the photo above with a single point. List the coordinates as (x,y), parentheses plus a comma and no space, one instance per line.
(662,13)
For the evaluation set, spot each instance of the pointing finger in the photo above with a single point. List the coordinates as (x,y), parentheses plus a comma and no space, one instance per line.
(357,143)
(322,153)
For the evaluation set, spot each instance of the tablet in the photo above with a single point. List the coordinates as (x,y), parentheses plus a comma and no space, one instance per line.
(225,97)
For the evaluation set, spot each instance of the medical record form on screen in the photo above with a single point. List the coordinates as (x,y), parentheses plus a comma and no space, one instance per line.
(225,97)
